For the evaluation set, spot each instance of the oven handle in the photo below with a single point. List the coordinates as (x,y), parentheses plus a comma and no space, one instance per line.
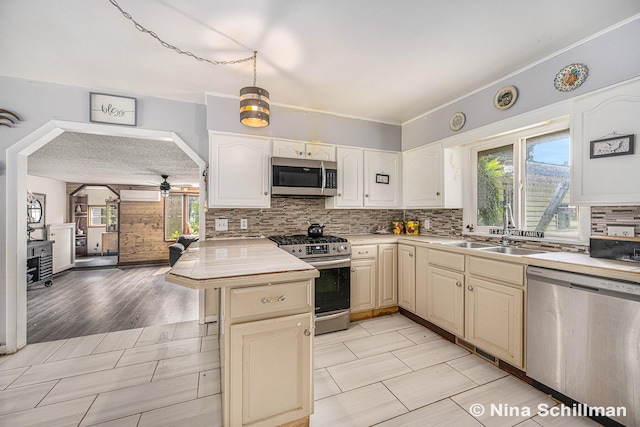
(336,263)
(332,316)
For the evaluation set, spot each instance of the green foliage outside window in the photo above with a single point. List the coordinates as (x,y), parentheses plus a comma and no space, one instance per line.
(490,188)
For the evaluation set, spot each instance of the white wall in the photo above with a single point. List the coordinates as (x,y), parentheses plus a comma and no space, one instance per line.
(55,202)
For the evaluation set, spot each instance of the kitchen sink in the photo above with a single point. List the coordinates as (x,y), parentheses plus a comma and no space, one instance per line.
(510,250)
(470,245)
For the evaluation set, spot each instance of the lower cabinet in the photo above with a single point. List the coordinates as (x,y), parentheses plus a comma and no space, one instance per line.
(495,319)
(374,277)
(271,367)
(363,284)
(407,277)
(445,299)
(387,275)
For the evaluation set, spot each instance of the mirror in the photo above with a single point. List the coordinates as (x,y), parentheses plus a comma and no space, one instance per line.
(36,210)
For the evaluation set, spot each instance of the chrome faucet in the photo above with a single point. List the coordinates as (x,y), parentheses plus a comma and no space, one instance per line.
(507,224)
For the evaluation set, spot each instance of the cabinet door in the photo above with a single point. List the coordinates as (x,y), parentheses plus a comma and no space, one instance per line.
(64,255)
(445,300)
(270,367)
(350,178)
(387,275)
(422,169)
(363,284)
(421,280)
(494,316)
(288,149)
(321,152)
(407,277)
(239,172)
(382,179)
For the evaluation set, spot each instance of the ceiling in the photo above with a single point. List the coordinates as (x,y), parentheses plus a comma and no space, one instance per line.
(388,61)
(99,159)
(382,60)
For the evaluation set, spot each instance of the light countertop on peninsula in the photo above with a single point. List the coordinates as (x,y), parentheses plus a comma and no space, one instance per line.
(218,263)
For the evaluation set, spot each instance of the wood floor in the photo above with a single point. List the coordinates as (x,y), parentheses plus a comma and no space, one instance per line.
(85,302)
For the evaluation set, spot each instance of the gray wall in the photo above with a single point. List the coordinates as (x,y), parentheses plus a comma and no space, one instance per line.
(290,123)
(611,58)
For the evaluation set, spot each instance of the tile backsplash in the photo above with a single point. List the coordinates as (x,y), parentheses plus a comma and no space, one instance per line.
(289,215)
(603,217)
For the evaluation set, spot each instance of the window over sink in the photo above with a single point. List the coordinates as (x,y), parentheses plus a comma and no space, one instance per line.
(531,171)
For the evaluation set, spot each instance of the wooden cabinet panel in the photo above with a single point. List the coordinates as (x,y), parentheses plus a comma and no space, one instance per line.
(272,300)
(453,261)
(387,275)
(378,194)
(406,277)
(422,255)
(445,300)
(270,364)
(494,319)
(350,178)
(363,284)
(499,270)
(364,251)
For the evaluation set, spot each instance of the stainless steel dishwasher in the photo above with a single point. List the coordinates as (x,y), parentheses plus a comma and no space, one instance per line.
(583,339)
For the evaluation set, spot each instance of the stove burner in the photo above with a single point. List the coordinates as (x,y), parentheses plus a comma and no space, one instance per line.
(302,239)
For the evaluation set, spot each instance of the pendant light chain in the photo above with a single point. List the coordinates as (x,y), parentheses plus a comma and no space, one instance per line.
(142,29)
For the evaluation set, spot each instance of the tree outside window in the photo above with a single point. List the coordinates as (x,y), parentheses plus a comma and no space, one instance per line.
(181,215)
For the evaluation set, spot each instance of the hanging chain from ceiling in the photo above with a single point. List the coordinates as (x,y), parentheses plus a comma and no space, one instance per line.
(140,28)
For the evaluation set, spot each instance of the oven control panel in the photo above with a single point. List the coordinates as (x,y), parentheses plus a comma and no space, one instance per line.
(315,250)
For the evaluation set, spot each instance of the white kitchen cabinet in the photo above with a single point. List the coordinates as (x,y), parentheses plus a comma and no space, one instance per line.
(494,308)
(407,277)
(267,344)
(350,179)
(445,299)
(422,255)
(64,254)
(387,275)
(239,172)
(608,181)
(271,364)
(363,284)
(303,150)
(382,179)
(432,177)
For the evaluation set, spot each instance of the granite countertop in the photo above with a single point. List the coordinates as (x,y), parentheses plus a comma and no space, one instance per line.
(567,261)
(219,263)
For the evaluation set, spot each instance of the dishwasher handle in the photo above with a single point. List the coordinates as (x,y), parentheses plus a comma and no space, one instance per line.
(584,288)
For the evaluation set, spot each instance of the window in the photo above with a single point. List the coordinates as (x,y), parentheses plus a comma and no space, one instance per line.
(97,216)
(531,172)
(181,215)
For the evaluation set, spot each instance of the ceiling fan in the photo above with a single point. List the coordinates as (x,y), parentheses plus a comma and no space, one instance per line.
(166,187)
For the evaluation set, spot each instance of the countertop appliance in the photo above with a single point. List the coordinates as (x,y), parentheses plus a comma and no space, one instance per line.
(583,339)
(331,255)
(304,177)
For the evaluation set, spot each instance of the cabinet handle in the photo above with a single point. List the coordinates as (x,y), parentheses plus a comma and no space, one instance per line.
(410,253)
(339,194)
(307,332)
(266,300)
(366,195)
(266,192)
(309,154)
(470,288)
(363,253)
(458,284)
(437,193)
(353,269)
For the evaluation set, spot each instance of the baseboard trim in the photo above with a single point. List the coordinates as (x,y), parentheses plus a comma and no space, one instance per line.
(159,262)
(369,314)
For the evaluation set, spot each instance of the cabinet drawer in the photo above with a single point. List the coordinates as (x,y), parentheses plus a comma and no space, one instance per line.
(504,271)
(270,300)
(447,259)
(363,251)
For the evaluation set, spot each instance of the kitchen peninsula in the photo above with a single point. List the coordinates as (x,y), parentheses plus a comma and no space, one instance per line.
(265,327)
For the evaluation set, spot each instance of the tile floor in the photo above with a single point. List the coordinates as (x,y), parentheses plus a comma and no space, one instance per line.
(387,371)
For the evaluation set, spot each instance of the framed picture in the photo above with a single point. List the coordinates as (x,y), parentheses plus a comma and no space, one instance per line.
(382,178)
(505,98)
(619,145)
(119,110)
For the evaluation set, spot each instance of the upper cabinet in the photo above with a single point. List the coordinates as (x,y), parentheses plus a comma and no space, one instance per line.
(432,177)
(367,178)
(239,172)
(612,177)
(303,150)
(382,179)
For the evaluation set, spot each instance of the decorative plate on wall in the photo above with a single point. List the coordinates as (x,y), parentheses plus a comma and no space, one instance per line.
(505,98)
(457,121)
(570,77)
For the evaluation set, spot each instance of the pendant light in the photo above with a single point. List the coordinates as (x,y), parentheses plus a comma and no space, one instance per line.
(254,103)
(165,187)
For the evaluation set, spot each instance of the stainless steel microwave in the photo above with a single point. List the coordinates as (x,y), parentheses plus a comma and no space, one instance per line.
(303,177)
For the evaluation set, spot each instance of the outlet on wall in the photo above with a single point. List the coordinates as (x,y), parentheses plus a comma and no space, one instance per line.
(620,231)
(426,224)
(222,224)
(243,224)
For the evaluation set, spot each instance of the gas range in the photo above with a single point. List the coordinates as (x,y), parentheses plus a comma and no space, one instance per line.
(303,246)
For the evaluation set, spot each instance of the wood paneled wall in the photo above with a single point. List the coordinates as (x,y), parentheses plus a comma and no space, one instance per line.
(142,233)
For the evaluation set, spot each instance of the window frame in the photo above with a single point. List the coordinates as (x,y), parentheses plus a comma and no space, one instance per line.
(102,216)
(185,199)
(517,139)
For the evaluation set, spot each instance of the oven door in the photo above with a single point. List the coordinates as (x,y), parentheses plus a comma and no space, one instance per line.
(332,294)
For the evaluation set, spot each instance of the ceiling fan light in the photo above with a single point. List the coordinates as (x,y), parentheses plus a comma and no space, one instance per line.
(254,107)
(165,187)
